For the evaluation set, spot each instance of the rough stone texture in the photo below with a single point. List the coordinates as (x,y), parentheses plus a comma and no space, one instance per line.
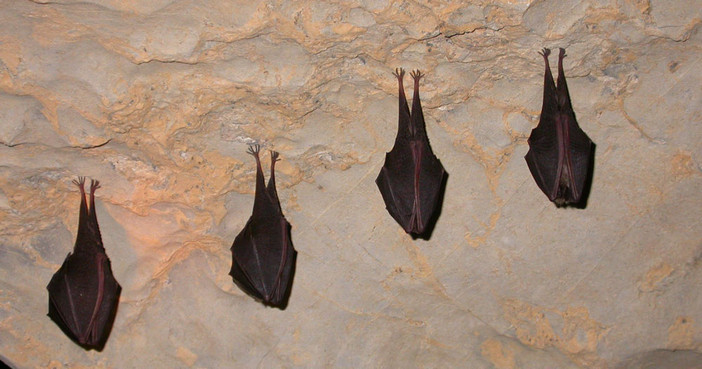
(158,100)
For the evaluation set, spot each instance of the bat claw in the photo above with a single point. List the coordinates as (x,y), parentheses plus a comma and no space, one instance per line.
(545,52)
(274,156)
(416,74)
(254,150)
(561,53)
(399,73)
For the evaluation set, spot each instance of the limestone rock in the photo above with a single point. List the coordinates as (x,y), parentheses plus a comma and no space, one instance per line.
(159,99)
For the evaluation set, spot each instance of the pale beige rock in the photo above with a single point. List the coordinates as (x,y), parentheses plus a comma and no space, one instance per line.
(159,99)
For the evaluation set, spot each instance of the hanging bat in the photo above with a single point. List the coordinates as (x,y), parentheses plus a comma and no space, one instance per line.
(412,180)
(560,153)
(83,294)
(3,363)
(263,257)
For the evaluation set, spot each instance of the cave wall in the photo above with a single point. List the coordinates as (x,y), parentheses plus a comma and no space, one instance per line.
(159,100)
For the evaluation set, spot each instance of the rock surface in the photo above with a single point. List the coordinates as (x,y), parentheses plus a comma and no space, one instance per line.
(159,99)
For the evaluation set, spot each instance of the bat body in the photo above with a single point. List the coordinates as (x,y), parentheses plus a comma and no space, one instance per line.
(412,179)
(263,257)
(560,153)
(83,294)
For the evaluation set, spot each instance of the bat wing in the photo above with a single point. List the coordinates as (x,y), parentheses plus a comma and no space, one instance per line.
(396,184)
(431,176)
(262,260)
(243,273)
(579,153)
(83,298)
(559,158)
(543,156)
(411,182)
(578,146)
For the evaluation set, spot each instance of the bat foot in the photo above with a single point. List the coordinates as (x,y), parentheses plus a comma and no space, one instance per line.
(545,52)
(416,74)
(254,150)
(80,182)
(399,73)
(274,156)
(561,53)
(94,185)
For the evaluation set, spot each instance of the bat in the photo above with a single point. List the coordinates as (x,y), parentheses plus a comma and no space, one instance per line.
(560,153)
(83,294)
(4,363)
(412,180)
(263,257)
